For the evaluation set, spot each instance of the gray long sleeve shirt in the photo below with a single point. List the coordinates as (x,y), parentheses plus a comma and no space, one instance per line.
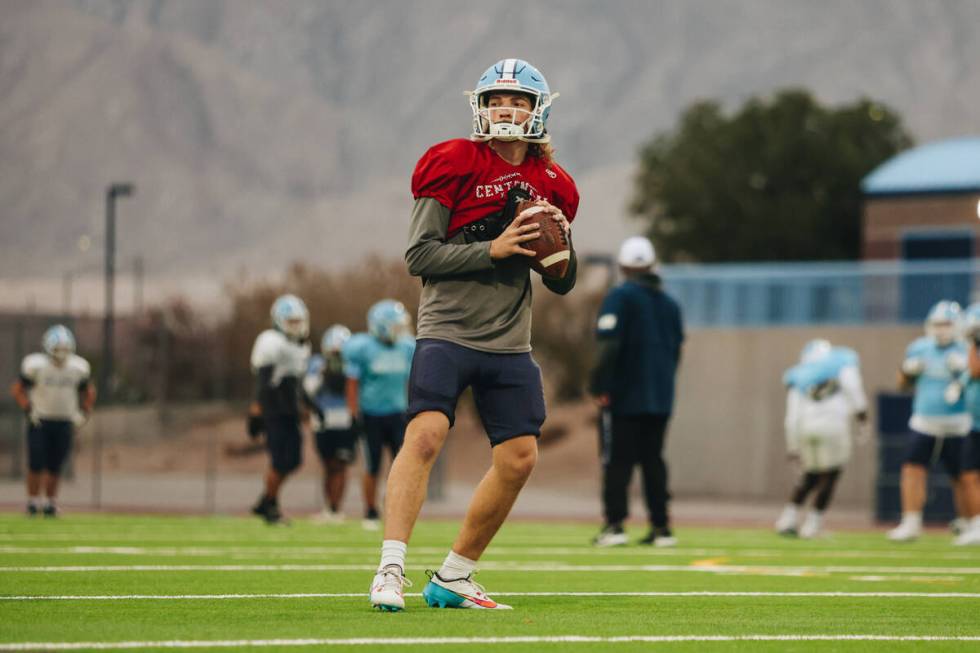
(467,297)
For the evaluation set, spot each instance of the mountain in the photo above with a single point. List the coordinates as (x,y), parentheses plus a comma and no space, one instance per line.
(258,133)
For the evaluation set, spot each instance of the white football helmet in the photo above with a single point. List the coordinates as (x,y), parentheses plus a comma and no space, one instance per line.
(289,315)
(333,339)
(815,350)
(943,322)
(58,343)
(512,76)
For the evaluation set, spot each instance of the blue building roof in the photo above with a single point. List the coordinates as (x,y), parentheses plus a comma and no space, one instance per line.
(950,166)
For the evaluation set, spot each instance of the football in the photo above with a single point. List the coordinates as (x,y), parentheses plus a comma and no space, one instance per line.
(552,250)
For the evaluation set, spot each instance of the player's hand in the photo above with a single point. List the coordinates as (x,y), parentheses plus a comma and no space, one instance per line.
(32,417)
(955,362)
(558,216)
(79,419)
(602,400)
(913,367)
(316,421)
(255,425)
(952,392)
(516,234)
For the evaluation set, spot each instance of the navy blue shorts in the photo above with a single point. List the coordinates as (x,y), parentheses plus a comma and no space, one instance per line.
(337,444)
(48,445)
(971,452)
(507,388)
(284,442)
(927,449)
(382,431)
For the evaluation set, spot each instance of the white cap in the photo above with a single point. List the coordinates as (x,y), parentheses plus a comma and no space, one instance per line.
(636,252)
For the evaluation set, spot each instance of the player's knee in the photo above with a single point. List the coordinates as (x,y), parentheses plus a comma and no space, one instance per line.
(424,441)
(518,460)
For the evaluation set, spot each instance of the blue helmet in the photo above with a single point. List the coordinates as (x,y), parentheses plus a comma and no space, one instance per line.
(290,316)
(333,339)
(58,342)
(387,320)
(943,322)
(512,76)
(815,350)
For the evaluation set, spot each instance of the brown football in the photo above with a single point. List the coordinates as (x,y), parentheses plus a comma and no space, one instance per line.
(552,249)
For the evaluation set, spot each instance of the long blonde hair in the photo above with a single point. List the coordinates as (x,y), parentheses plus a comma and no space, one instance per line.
(543,151)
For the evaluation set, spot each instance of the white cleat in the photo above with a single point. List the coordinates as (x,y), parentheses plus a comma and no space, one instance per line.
(970,537)
(327,517)
(610,536)
(811,527)
(786,524)
(458,593)
(388,589)
(904,532)
(371,524)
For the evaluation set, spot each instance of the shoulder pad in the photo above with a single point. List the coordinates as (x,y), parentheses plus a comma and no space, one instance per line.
(80,365)
(267,348)
(33,363)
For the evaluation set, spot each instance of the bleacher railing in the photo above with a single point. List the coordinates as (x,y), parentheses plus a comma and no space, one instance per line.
(786,294)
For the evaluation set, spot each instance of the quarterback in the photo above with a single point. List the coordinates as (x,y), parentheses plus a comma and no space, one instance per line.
(474,320)
(55,392)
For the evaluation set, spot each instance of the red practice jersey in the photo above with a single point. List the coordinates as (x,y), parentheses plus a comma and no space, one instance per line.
(472,181)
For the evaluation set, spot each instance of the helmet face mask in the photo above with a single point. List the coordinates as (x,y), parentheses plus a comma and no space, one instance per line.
(58,343)
(943,322)
(290,316)
(518,77)
(388,321)
(333,340)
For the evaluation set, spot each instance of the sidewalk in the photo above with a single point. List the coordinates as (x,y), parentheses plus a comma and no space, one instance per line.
(234,494)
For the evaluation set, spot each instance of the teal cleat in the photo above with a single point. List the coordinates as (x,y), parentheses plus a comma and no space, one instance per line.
(458,593)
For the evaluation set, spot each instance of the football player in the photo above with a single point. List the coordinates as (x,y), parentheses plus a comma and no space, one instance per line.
(474,320)
(933,364)
(970,476)
(55,393)
(280,359)
(325,384)
(377,364)
(825,397)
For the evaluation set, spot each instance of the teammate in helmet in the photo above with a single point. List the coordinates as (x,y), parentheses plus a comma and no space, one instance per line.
(474,320)
(933,365)
(55,393)
(280,359)
(334,431)
(825,397)
(377,364)
(970,476)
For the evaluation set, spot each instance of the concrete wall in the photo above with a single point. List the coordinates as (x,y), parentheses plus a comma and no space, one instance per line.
(726,438)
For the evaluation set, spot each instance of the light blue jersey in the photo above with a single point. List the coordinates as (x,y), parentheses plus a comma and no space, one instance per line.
(937,373)
(381,371)
(971,395)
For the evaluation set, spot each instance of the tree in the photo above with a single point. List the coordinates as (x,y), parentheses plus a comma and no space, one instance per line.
(778,180)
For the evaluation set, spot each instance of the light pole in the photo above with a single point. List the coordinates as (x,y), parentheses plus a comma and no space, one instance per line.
(105,378)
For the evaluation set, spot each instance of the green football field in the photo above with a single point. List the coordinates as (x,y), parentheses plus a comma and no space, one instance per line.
(123,582)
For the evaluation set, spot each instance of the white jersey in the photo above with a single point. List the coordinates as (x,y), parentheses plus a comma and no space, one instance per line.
(818,428)
(54,388)
(288,358)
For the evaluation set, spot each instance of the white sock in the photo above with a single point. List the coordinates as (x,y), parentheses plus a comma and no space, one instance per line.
(393,553)
(815,517)
(975,522)
(913,519)
(34,502)
(791,510)
(456,566)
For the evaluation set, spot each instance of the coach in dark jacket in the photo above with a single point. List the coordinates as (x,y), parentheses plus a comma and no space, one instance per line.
(639,333)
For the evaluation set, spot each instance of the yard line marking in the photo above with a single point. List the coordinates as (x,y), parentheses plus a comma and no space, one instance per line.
(519,566)
(415,641)
(344,595)
(301,551)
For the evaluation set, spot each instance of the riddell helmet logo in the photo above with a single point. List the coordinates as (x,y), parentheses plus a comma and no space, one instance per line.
(506,81)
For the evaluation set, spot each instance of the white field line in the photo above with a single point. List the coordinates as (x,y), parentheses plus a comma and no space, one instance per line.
(416,641)
(313,551)
(520,566)
(361,595)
